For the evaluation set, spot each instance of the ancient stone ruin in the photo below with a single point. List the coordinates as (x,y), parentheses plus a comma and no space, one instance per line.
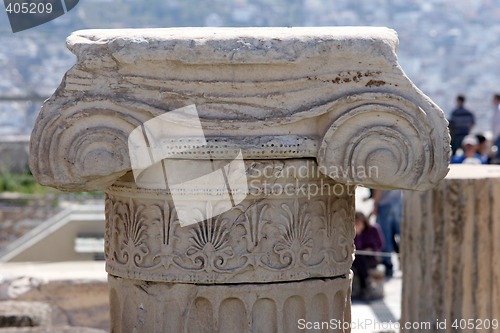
(451,270)
(229,158)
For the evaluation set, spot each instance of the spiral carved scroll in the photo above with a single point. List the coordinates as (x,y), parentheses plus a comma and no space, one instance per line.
(84,146)
(385,141)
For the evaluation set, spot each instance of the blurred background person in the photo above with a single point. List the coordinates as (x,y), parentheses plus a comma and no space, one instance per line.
(484,148)
(368,238)
(495,126)
(388,207)
(470,155)
(461,122)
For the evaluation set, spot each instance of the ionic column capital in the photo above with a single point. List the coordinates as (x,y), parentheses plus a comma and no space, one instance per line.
(334,94)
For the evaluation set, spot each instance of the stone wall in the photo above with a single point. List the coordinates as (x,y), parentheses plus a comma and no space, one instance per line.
(73,303)
(21,213)
(14,154)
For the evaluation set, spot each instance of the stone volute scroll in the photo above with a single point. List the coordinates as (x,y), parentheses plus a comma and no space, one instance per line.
(336,94)
(288,119)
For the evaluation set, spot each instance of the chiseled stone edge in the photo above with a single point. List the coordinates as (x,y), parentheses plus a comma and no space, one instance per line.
(260,45)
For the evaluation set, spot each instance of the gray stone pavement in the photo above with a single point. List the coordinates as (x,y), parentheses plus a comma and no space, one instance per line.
(381,315)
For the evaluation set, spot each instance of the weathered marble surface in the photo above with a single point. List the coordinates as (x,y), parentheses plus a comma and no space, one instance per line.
(277,307)
(334,94)
(328,99)
(266,238)
(450,246)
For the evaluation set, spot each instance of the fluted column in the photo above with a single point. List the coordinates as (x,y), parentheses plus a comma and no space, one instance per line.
(229,159)
(451,275)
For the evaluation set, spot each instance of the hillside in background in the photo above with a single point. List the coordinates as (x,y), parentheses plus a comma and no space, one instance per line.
(447,47)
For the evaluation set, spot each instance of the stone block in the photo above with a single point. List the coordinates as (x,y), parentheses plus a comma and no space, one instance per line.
(24,314)
(449,251)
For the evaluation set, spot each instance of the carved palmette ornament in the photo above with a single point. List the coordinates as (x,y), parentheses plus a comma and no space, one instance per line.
(269,236)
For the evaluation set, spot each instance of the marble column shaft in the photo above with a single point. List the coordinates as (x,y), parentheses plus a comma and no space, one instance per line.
(449,252)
